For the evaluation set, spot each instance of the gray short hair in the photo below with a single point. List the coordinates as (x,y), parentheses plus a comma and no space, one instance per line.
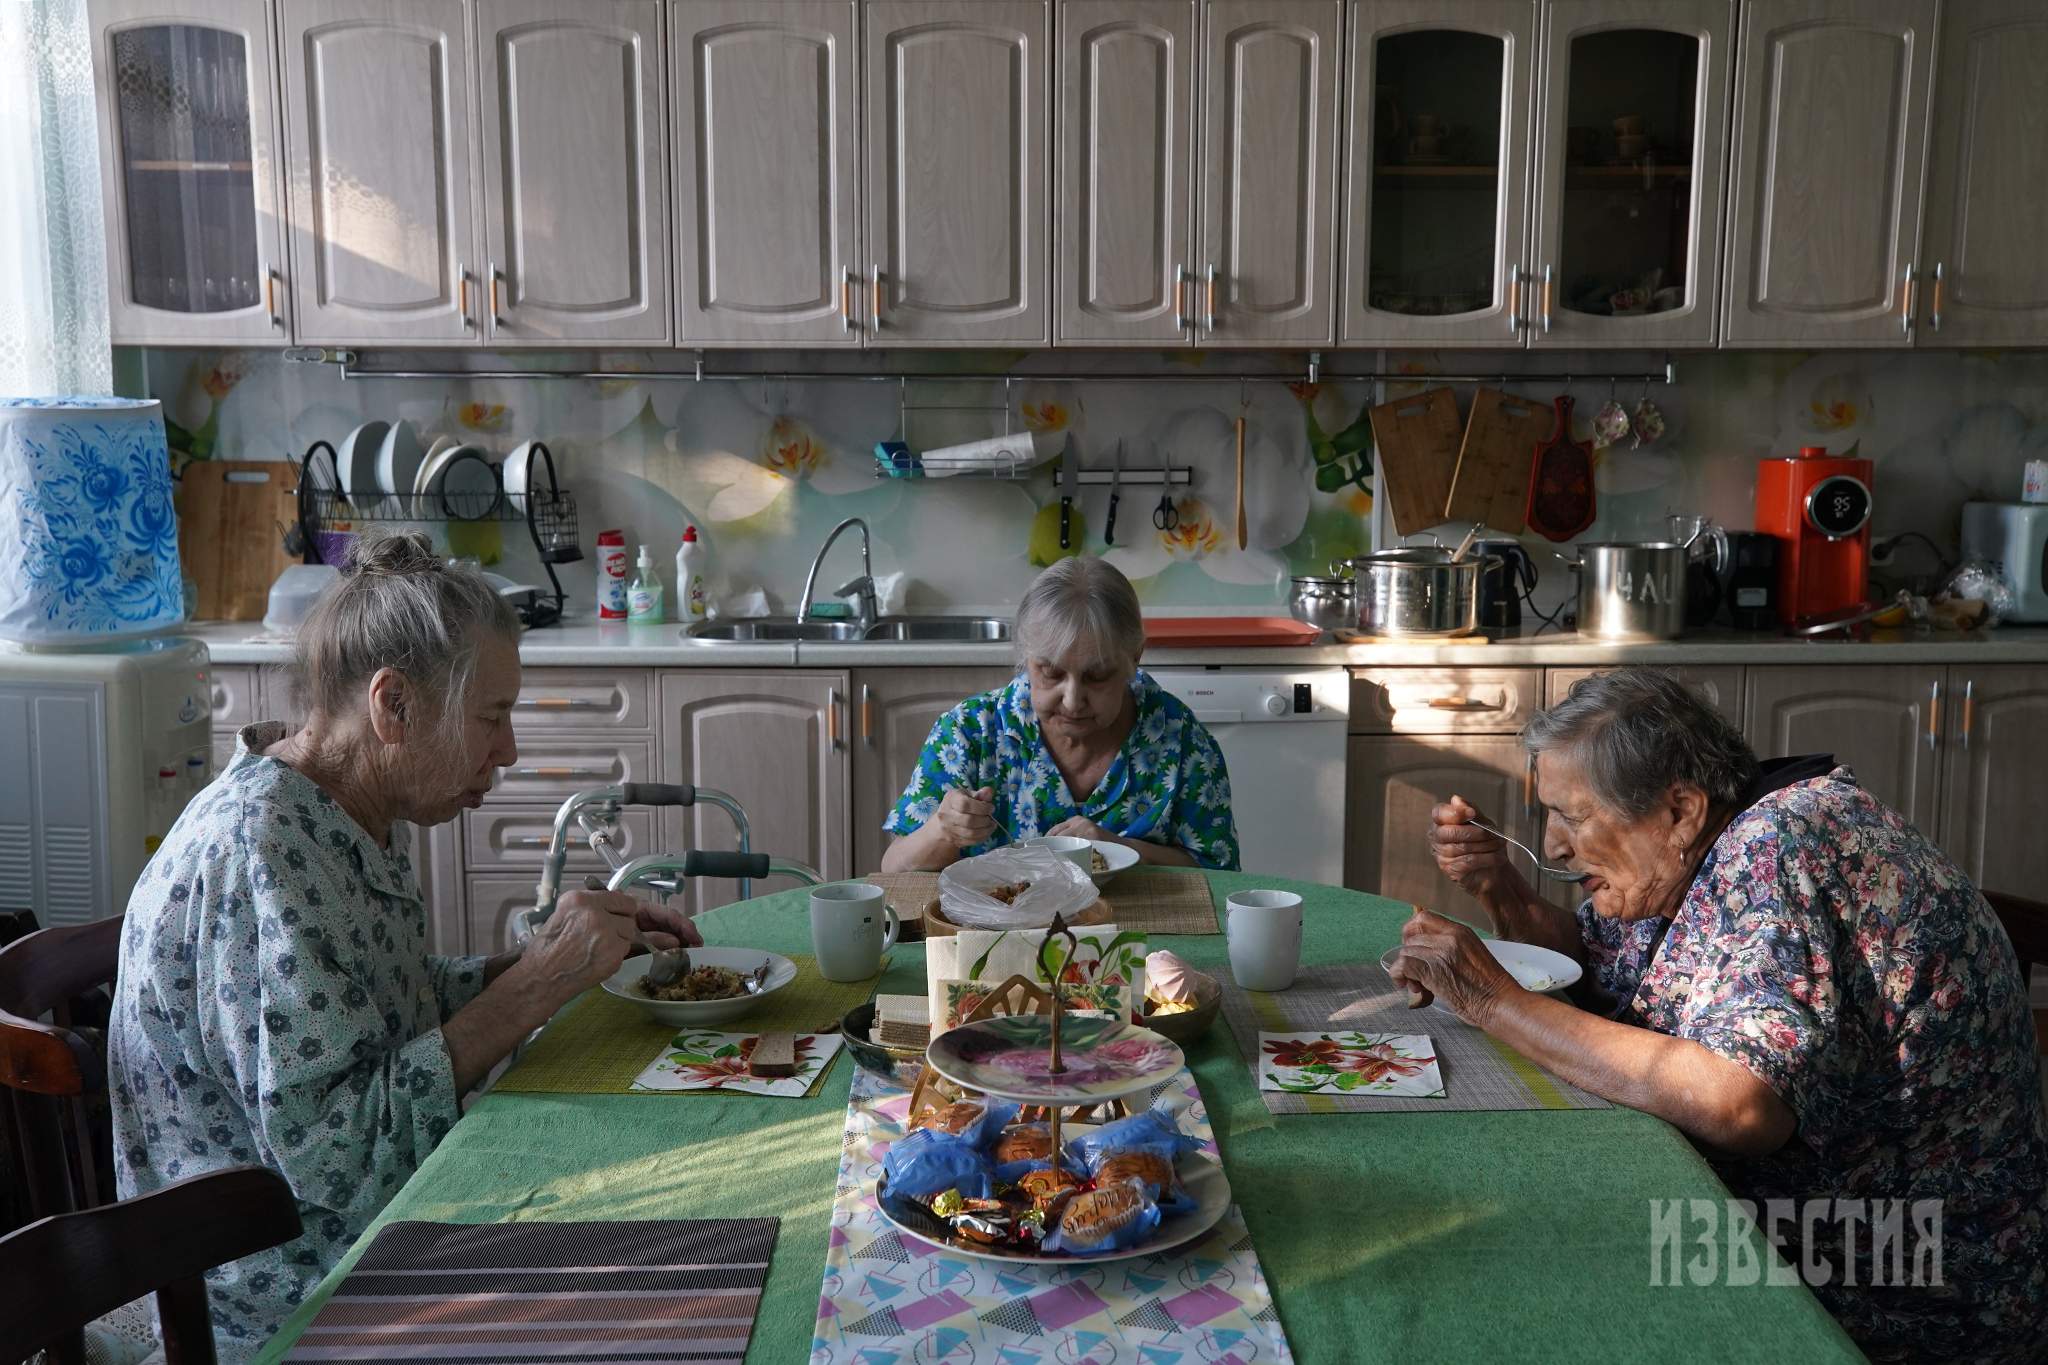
(1635,731)
(397,605)
(1081,602)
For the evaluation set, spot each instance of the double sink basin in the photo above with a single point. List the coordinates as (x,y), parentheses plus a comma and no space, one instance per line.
(888,630)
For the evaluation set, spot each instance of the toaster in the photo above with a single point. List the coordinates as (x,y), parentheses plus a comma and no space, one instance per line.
(2014,537)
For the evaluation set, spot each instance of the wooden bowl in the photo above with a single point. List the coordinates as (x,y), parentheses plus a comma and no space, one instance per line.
(1189,1025)
(936,924)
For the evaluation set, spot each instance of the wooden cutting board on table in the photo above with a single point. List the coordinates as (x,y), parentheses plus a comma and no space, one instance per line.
(232,519)
(1417,439)
(1491,483)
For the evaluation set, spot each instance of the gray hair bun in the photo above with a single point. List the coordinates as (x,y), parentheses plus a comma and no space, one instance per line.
(395,553)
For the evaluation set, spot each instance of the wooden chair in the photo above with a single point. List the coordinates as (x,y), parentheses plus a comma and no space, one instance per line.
(62,1272)
(49,1070)
(2026,924)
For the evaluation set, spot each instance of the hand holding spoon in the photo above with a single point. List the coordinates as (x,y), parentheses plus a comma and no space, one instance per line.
(1556,874)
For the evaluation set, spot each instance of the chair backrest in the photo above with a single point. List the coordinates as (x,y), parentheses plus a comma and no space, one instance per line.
(2026,924)
(66,1270)
(49,1070)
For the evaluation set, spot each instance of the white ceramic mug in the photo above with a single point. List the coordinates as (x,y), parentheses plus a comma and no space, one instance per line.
(1075,850)
(847,936)
(1264,932)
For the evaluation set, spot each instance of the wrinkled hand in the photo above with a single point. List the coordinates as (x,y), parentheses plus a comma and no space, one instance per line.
(592,932)
(1081,827)
(1475,861)
(1442,959)
(967,818)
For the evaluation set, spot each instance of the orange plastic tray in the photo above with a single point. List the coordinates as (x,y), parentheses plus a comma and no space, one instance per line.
(1206,632)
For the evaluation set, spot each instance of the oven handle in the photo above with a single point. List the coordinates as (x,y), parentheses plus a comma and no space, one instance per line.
(1219,717)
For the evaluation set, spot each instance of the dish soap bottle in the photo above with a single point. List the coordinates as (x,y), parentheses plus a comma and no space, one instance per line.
(693,578)
(643,599)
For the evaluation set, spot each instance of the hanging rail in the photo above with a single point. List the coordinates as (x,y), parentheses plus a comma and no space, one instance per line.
(1314,373)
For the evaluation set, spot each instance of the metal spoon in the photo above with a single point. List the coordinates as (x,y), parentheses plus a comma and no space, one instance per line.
(1556,874)
(666,966)
(756,981)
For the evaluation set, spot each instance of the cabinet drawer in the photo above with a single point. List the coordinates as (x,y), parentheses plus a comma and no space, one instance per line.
(234,697)
(576,698)
(1719,685)
(1443,701)
(551,769)
(490,904)
(519,838)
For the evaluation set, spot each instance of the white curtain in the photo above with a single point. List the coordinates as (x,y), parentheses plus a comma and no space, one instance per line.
(53,261)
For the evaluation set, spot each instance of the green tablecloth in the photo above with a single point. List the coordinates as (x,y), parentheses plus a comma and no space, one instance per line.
(1389,1236)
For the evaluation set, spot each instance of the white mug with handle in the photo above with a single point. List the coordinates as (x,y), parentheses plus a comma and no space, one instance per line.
(847,929)
(1264,932)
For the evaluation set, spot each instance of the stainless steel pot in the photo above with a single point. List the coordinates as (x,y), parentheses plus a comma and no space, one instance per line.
(1326,603)
(1632,590)
(1418,592)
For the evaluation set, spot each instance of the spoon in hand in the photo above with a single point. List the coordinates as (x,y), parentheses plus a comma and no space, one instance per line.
(1556,874)
(667,965)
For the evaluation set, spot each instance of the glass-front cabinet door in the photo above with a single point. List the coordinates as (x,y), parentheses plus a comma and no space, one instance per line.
(1437,178)
(188,139)
(1634,120)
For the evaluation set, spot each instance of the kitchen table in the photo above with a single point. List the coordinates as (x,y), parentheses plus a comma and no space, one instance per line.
(1384,1236)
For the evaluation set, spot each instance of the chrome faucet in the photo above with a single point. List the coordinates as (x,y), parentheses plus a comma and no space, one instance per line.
(862,588)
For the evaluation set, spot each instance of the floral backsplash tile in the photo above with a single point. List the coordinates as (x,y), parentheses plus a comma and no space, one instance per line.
(765,467)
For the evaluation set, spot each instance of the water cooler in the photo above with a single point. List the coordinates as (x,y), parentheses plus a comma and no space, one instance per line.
(105,715)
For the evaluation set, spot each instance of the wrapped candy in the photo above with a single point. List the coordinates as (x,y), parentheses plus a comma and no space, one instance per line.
(1019,1148)
(930,1161)
(969,1120)
(1106,1218)
(1145,1147)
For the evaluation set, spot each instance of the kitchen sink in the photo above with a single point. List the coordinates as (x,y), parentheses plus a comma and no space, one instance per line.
(888,630)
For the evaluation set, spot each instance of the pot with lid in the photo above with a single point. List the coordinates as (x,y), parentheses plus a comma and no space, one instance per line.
(1328,603)
(1632,590)
(1419,592)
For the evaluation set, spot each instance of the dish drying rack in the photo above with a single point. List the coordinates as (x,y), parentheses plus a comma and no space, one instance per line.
(896,460)
(326,515)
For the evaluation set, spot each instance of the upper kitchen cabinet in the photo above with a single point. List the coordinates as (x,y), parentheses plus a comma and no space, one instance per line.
(1633,140)
(1436,171)
(381,226)
(1125,164)
(1986,279)
(576,226)
(762,131)
(1831,120)
(188,157)
(1268,197)
(956,192)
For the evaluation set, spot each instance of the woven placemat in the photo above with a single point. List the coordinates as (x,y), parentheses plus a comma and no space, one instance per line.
(601,1043)
(1479,1072)
(909,893)
(1162,901)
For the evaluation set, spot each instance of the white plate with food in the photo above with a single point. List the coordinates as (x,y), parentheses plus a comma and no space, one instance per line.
(1202,1177)
(736,969)
(1533,968)
(1110,859)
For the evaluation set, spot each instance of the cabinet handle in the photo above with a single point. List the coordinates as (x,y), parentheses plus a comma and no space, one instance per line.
(559,704)
(1180,297)
(1514,300)
(867,715)
(462,295)
(1529,788)
(1465,704)
(846,300)
(1549,293)
(1933,715)
(1209,302)
(1906,301)
(270,297)
(1935,318)
(875,297)
(1969,710)
(561,772)
(832,720)
(527,841)
(495,319)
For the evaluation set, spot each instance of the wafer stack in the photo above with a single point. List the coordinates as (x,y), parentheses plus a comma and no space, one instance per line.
(903,1021)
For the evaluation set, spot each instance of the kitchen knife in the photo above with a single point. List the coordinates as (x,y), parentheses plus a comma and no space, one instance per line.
(1116,483)
(1070,482)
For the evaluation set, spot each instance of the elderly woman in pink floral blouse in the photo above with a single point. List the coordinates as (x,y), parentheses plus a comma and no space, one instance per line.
(1786,970)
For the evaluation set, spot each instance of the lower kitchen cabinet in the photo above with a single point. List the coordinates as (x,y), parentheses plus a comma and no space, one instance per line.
(1720,685)
(492,902)
(1995,732)
(1883,720)
(1391,783)
(897,708)
(778,743)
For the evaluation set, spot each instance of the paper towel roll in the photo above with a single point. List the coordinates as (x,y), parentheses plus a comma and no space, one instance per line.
(88,535)
(1010,454)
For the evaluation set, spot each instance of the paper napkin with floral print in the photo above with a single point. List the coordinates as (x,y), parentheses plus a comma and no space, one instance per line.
(700,1060)
(1350,1063)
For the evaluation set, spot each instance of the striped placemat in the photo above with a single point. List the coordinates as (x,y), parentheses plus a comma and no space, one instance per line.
(546,1292)
(1162,900)
(909,893)
(601,1043)
(1479,1072)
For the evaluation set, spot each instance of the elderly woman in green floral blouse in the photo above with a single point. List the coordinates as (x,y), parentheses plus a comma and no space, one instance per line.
(1080,742)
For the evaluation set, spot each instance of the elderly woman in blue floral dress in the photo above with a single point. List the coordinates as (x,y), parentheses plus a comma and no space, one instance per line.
(276,1002)
(1783,968)
(1079,743)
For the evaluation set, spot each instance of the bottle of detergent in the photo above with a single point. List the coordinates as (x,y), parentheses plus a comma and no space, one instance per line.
(643,598)
(693,578)
(611,575)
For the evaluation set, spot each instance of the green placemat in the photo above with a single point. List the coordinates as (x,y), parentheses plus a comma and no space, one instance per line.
(600,1043)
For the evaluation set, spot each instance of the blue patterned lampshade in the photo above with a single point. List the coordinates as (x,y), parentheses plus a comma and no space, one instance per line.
(88,535)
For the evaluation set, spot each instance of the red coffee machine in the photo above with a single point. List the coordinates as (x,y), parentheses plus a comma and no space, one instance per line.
(1818,506)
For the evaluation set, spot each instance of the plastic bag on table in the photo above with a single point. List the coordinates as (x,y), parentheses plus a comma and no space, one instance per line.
(1052,886)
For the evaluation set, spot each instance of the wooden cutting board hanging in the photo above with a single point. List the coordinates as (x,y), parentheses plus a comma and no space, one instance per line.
(1491,482)
(232,519)
(1561,503)
(1417,440)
